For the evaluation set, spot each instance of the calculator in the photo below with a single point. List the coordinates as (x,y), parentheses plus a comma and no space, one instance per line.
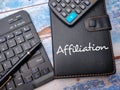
(70,11)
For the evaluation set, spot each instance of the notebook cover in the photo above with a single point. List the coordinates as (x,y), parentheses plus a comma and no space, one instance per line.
(82,51)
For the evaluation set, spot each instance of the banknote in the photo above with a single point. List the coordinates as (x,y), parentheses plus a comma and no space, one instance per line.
(39,12)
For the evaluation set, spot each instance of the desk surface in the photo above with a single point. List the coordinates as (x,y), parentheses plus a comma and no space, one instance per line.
(39,12)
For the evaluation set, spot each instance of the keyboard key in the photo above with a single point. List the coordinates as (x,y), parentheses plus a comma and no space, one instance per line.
(10,21)
(24,68)
(9,53)
(18,81)
(26,29)
(54,4)
(45,71)
(18,32)
(9,36)
(4,72)
(16,74)
(15,60)
(7,65)
(58,9)
(36,75)
(67,1)
(35,61)
(82,6)
(37,53)
(2,39)
(11,43)
(35,70)
(19,17)
(71,17)
(28,79)
(2,57)
(20,39)
(64,14)
(3,47)
(26,46)
(18,50)
(22,54)
(1,68)
(28,35)
(10,85)
(33,42)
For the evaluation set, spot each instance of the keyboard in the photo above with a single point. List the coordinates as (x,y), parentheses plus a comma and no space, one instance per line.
(70,11)
(19,43)
(34,73)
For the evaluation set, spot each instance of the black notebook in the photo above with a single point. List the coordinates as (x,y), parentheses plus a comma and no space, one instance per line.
(84,48)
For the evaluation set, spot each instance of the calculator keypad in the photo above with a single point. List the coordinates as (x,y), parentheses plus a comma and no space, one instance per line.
(70,10)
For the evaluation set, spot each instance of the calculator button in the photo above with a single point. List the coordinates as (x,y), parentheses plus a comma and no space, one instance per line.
(63,5)
(78,10)
(64,14)
(77,1)
(72,6)
(54,4)
(82,6)
(87,2)
(58,1)
(68,10)
(71,17)
(67,1)
(58,9)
